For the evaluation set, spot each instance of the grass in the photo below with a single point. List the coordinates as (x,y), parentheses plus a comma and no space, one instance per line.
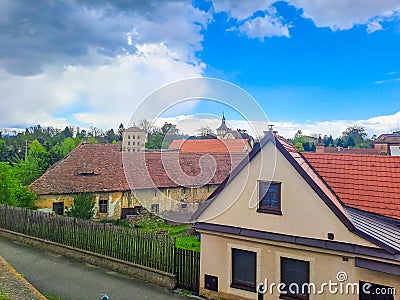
(3,297)
(178,231)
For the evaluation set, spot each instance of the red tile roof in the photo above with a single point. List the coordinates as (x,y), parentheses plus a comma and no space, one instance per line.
(335,150)
(88,168)
(210,145)
(99,168)
(174,169)
(391,138)
(366,182)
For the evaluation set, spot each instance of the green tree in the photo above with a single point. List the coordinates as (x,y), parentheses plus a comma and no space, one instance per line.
(12,192)
(354,136)
(83,207)
(169,128)
(155,141)
(299,146)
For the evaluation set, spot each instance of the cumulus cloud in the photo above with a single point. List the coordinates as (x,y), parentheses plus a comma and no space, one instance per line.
(67,32)
(374,26)
(100,96)
(344,14)
(337,15)
(255,19)
(241,10)
(262,27)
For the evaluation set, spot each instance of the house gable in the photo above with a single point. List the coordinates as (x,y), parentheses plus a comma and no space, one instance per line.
(308,207)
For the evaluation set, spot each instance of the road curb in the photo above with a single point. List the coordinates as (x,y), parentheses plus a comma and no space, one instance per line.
(8,270)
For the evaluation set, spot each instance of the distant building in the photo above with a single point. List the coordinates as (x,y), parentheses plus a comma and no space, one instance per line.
(226,133)
(388,143)
(212,145)
(133,139)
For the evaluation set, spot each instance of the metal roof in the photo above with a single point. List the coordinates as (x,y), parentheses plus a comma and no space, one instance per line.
(386,231)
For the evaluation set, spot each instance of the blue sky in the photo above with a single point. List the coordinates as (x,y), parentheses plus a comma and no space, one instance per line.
(318,66)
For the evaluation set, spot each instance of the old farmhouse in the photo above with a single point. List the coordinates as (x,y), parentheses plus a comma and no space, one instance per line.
(122,182)
(302,221)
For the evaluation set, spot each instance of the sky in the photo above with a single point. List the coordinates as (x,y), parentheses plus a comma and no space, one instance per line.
(317,66)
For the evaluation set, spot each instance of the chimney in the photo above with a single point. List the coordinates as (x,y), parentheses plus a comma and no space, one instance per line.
(319,147)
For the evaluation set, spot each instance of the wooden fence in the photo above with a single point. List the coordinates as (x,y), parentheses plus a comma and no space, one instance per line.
(152,250)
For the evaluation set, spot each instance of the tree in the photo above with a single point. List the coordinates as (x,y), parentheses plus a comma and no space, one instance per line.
(354,136)
(205,131)
(299,146)
(169,128)
(120,131)
(329,142)
(298,134)
(155,141)
(12,192)
(145,125)
(111,136)
(83,207)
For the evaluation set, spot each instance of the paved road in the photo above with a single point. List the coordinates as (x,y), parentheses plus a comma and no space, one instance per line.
(69,279)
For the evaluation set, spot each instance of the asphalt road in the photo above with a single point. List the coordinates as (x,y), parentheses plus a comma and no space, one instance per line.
(69,279)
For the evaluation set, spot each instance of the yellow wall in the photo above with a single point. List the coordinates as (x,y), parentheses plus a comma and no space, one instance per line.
(303,211)
(167,198)
(116,201)
(171,199)
(324,266)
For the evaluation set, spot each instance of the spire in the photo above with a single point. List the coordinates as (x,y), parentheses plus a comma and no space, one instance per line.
(223,117)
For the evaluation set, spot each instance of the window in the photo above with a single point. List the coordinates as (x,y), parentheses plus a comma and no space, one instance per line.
(138,137)
(294,274)
(138,143)
(129,143)
(103,206)
(133,136)
(270,197)
(244,269)
(372,291)
(133,143)
(129,137)
(155,208)
(58,208)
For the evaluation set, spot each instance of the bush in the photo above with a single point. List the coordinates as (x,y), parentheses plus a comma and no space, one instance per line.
(83,207)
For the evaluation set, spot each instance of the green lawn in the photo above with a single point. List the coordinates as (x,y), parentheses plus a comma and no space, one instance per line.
(3,297)
(179,231)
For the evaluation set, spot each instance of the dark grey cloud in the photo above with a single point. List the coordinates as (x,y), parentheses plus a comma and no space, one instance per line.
(39,33)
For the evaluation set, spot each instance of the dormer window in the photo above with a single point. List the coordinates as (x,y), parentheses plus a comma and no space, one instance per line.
(269,195)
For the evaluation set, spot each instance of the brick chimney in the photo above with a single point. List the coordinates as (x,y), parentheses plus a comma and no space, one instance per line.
(319,147)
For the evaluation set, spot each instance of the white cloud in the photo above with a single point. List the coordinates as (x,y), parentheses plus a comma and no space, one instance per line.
(337,15)
(241,10)
(344,14)
(262,27)
(100,96)
(374,26)
(375,125)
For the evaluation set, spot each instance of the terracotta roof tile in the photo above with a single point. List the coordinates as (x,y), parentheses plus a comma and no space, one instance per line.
(210,145)
(100,168)
(366,182)
(88,168)
(173,169)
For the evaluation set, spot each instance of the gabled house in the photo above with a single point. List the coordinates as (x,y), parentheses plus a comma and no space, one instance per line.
(275,220)
(95,169)
(388,144)
(122,182)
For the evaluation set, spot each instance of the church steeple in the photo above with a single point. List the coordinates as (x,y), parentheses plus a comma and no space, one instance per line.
(222,129)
